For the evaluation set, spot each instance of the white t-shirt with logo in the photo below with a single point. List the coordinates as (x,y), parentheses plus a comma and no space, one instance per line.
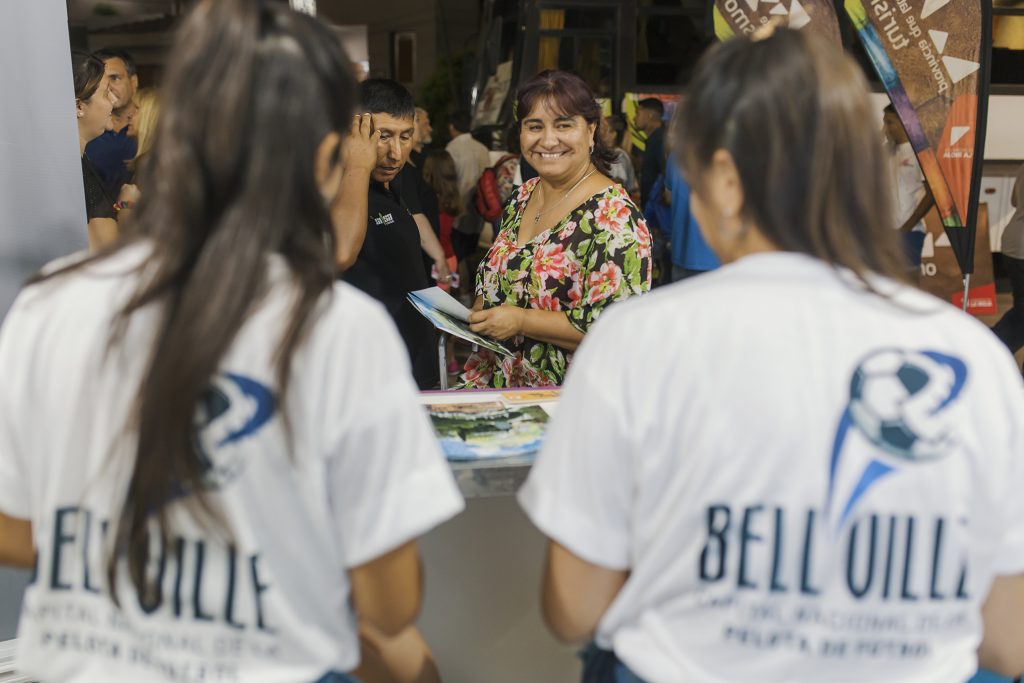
(908,183)
(363,475)
(806,482)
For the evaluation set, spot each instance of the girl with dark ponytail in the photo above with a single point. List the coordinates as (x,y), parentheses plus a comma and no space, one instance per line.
(211,449)
(766,437)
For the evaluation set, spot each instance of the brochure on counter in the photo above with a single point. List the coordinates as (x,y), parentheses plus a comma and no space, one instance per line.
(448,314)
(502,423)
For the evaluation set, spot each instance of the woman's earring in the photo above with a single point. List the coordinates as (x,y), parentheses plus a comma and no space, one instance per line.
(591,147)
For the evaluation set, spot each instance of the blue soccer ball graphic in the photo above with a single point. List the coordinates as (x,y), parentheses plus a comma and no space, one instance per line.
(896,401)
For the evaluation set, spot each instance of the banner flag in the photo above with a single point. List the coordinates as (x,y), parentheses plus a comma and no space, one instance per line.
(940,272)
(931,56)
(738,17)
(307,6)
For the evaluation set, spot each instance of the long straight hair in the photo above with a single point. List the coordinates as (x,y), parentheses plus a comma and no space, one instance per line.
(794,113)
(440,174)
(87,72)
(252,90)
(146,115)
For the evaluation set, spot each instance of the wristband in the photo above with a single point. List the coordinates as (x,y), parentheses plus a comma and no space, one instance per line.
(123,204)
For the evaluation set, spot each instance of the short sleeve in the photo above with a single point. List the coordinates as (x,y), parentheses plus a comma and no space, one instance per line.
(1009,559)
(14,484)
(429,206)
(484,268)
(580,490)
(410,189)
(388,481)
(618,262)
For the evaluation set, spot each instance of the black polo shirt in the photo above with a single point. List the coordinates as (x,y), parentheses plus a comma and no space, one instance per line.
(389,266)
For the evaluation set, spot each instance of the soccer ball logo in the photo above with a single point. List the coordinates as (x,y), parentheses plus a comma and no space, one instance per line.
(896,401)
(232,409)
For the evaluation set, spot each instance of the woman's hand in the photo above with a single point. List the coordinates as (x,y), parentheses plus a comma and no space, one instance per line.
(501,322)
(444,274)
(360,149)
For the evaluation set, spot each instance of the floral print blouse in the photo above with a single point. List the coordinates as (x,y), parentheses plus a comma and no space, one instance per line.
(599,253)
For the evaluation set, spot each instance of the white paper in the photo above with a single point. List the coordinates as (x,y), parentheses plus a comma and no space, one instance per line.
(437,298)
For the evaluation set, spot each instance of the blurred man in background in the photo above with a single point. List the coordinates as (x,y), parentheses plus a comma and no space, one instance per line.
(111,151)
(423,136)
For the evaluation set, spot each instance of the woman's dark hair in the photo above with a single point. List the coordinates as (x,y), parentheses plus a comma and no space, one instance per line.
(617,122)
(568,95)
(439,172)
(225,189)
(800,133)
(87,70)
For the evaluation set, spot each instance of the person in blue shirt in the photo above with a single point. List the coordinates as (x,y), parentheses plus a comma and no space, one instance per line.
(691,255)
(658,212)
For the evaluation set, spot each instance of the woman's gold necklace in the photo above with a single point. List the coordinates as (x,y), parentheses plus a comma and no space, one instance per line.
(536,218)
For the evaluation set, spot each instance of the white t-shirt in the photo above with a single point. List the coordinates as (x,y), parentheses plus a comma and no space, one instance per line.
(908,183)
(471,158)
(1013,234)
(712,440)
(364,475)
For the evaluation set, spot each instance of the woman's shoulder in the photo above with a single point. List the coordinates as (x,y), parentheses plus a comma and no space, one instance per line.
(520,196)
(617,195)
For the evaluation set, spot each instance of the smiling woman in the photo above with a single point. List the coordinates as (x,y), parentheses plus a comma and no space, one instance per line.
(571,242)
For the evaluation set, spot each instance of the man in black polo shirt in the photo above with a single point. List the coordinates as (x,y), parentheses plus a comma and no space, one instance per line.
(380,244)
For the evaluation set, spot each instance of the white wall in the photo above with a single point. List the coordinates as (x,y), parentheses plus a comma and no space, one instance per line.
(1005,136)
(354,40)
(42,202)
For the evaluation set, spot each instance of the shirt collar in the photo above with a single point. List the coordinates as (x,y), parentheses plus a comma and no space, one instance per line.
(395,184)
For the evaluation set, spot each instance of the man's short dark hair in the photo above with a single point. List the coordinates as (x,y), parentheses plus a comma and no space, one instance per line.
(653,105)
(460,120)
(889,109)
(110,53)
(385,96)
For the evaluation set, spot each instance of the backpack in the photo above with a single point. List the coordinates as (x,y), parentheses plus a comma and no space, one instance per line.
(488,196)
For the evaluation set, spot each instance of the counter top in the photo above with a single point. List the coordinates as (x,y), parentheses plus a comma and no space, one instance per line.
(503,428)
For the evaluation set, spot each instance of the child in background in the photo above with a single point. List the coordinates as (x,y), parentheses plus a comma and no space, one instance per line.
(439,173)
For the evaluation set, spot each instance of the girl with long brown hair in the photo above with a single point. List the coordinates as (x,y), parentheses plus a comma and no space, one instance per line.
(803,469)
(209,449)
(440,174)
